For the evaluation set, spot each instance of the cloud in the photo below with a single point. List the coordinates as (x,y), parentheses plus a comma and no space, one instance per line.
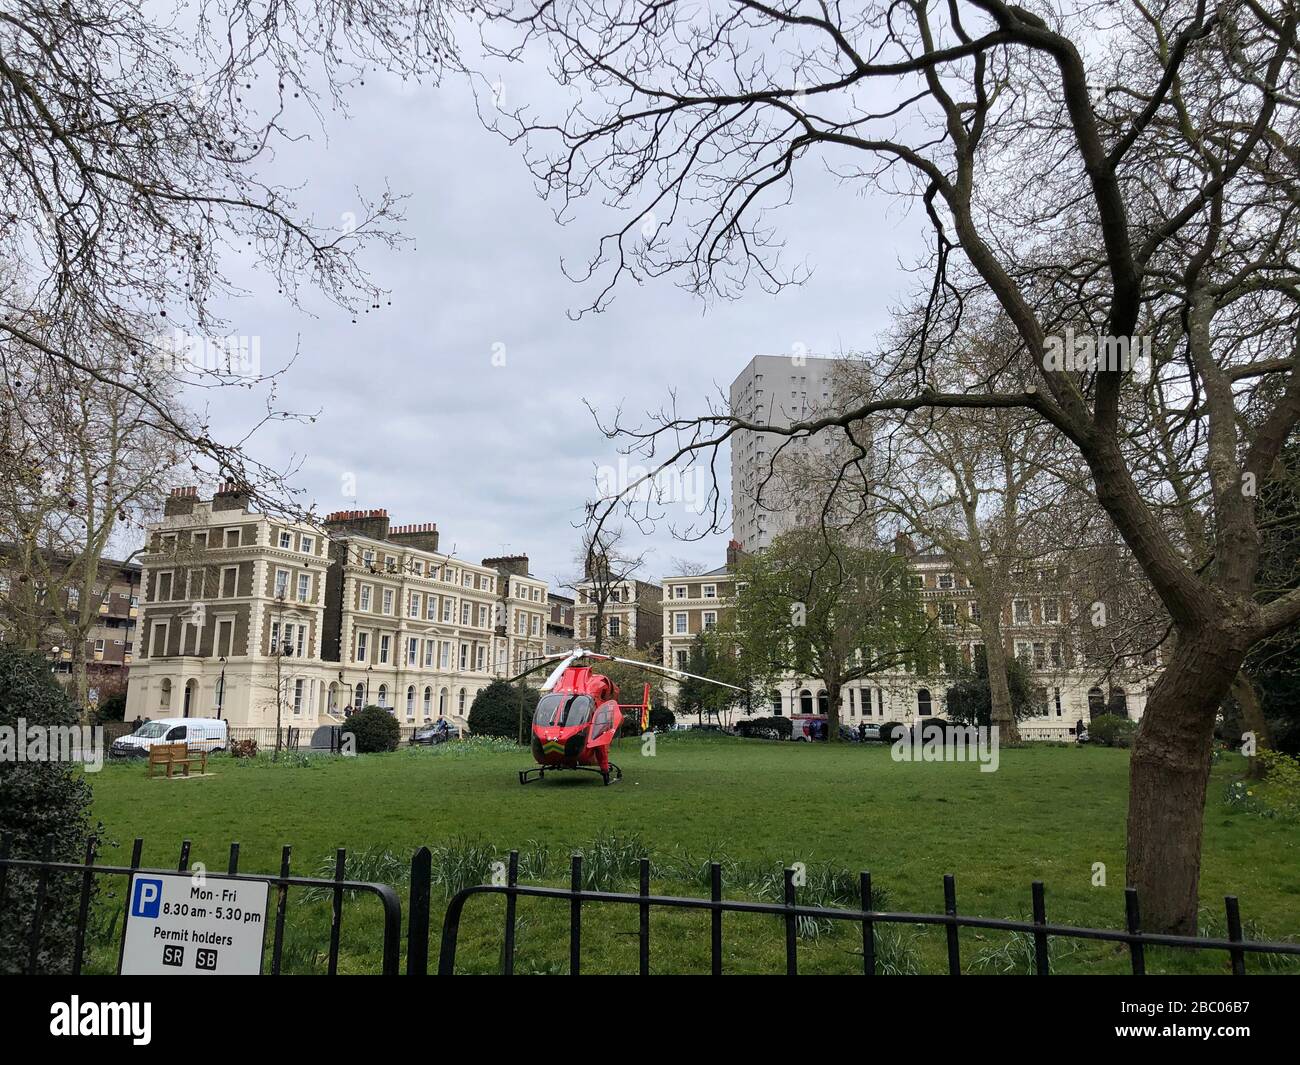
(462,401)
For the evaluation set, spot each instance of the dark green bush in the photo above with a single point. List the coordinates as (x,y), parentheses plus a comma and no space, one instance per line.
(45,812)
(497,709)
(776,728)
(890,731)
(374,729)
(113,707)
(661,718)
(1111,730)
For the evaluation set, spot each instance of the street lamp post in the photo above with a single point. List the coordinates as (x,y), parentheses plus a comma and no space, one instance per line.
(221,687)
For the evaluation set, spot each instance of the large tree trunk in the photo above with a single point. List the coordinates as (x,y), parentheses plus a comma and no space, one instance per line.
(1252,716)
(834,689)
(1168,775)
(1001,716)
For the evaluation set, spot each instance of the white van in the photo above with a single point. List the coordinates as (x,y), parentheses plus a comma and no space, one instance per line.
(201,733)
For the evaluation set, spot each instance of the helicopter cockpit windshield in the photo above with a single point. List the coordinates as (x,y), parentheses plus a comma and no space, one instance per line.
(564,711)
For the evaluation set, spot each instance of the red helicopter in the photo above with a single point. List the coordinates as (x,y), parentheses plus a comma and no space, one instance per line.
(579,715)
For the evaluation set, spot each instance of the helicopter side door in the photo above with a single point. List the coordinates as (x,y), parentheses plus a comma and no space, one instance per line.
(604,724)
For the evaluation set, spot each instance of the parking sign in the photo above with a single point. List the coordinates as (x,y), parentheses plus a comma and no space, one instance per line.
(194,925)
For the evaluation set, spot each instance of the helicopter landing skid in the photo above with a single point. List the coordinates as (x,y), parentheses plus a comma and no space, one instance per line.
(538,772)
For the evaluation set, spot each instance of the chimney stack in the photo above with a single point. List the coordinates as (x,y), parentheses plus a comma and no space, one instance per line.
(231,496)
(517,565)
(903,544)
(423,537)
(371,523)
(181,501)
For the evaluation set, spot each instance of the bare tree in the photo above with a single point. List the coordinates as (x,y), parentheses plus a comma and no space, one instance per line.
(605,564)
(1115,174)
(83,466)
(132,148)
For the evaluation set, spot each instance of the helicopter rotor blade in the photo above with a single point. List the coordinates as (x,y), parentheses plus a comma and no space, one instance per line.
(564,664)
(544,664)
(673,672)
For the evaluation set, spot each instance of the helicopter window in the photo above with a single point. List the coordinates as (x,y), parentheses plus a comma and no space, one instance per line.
(564,711)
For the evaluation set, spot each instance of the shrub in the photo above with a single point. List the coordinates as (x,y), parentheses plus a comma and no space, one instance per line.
(45,811)
(661,718)
(1282,773)
(243,748)
(496,710)
(890,731)
(373,730)
(1111,731)
(771,728)
(112,707)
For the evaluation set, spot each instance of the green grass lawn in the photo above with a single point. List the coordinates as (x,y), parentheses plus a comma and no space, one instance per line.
(1048,813)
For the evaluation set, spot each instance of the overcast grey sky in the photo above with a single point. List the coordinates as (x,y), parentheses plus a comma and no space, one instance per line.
(503,457)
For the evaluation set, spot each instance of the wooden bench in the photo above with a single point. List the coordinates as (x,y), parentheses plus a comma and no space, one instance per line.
(172,755)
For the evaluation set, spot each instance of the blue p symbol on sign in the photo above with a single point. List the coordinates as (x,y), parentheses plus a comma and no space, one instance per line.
(147,899)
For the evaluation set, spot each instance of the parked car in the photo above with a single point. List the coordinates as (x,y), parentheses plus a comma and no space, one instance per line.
(434,733)
(201,733)
(869,732)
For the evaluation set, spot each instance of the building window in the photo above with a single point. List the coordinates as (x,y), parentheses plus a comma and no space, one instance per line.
(412,651)
(460,703)
(428,701)
(679,624)
(479,659)
(1020,610)
(681,658)
(360,696)
(165,694)
(975,614)
(710,620)
(1051,611)
(946,582)
(464,656)
(614,627)
(388,601)
(232,537)
(297,695)
(428,654)
(464,613)
(163,588)
(923,704)
(158,646)
(948,614)
(281,583)
(383,695)
(307,544)
(710,591)
(304,587)
(385,646)
(365,598)
(431,608)
(286,541)
(413,610)
(410,701)
(229,582)
(363,643)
